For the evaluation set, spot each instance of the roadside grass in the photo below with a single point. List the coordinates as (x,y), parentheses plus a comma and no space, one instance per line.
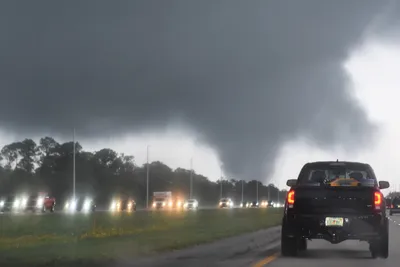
(57,239)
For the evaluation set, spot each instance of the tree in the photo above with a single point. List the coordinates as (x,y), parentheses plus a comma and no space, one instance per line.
(105,173)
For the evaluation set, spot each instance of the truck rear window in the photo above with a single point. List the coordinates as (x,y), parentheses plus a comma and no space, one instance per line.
(337,175)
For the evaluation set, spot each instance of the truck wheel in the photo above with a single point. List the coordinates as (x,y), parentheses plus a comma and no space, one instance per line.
(384,242)
(380,247)
(289,245)
(302,244)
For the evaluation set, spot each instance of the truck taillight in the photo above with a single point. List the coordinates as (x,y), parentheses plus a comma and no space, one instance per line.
(290,198)
(377,200)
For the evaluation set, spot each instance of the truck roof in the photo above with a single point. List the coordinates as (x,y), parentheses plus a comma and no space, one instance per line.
(345,163)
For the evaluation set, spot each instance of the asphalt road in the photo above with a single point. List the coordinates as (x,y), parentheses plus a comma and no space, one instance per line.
(97,210)
(262,249)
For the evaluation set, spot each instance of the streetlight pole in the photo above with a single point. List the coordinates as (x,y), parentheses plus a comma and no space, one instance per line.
(221,183)
(257,189)
(279,201)
(73,166)
(147,179)
(191,178)
(242,191)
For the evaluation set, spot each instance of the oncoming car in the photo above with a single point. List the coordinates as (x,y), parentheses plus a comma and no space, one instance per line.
(335,201)
(245,204)
(40,202)
(226,203)
(82,204)
(37,202)
(191,204)
(123,204)
(11,203)
(254,204)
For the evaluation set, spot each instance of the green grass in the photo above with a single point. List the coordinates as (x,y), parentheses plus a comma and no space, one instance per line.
(57,238)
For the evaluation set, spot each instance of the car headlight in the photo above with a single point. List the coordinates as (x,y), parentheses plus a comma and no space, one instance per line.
(16,203)
(86,205)
(179,203)
(163,204)
(39,202)
(66,205)
(154,204)
(23,202)
(2,203)
(220,203)
(170,204)
(72,207)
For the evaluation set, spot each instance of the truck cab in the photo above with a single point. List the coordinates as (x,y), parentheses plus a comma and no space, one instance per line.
(162,200)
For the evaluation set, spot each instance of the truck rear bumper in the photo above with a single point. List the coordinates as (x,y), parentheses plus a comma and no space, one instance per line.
(358,227)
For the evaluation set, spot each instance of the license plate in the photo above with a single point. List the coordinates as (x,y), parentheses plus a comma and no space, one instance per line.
(333,221)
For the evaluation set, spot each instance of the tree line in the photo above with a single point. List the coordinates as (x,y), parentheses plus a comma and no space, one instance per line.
(48,167)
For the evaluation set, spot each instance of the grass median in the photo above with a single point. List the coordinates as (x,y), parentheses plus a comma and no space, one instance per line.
(56,238)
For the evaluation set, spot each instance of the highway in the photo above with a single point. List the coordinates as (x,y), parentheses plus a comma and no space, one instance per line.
(59,210)
(262,249)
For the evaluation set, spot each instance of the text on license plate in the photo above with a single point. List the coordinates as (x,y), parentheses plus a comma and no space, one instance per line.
(333,221)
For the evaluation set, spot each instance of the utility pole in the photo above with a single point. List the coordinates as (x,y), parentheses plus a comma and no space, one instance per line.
(242,191)
(73,168)
(221,183)
(269,193)
(191,178)
(147,179)
(257,189)
(279,201)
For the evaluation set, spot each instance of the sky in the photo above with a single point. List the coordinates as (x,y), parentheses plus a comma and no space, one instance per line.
(253,88)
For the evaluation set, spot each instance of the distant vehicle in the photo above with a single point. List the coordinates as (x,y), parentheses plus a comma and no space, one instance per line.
(10,203)
(244,204)
(83,204)
(226,203)
(123,204)
(191,204)
(40,202)
(254,204)
(395,206)
(270,204)
(162,200)
(37,202)
(388,203)
(178,203)
(348,198)
(263,203)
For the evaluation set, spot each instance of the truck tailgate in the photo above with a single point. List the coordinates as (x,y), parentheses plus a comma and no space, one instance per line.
(334,200)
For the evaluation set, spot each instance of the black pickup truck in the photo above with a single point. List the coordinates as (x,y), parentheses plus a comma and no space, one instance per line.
(335,201)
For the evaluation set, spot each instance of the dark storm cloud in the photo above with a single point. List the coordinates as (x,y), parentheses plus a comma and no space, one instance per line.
(245,75)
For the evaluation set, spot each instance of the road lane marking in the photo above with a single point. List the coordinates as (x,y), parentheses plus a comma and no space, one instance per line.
(266,260)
